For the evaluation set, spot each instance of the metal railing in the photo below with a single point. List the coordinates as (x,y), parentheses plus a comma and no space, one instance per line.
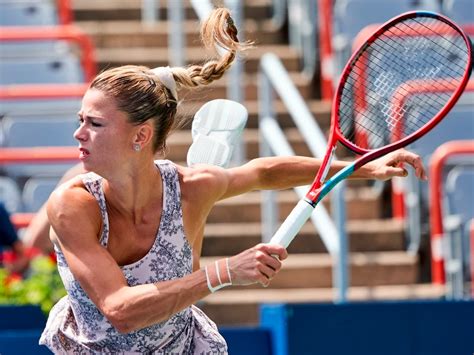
(274,77)
(439,159)
(302,26)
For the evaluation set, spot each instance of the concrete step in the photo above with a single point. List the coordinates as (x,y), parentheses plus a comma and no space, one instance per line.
(179,142)
(366,269)
(154,57)
(241,307)
(133,33)
(363,236)
(320,109)
(131,9)
(249,82)
(363,203)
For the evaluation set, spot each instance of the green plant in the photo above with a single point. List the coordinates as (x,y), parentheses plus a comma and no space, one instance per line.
(42,286)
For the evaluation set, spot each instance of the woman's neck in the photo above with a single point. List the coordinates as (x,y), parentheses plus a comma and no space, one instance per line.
(134,191)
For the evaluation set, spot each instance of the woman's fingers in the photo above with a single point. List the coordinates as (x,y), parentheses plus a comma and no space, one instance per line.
(257,264)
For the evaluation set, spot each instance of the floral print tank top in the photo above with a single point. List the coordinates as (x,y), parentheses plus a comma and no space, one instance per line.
(76,326)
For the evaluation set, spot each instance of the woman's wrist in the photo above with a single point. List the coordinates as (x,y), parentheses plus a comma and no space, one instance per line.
(218,275)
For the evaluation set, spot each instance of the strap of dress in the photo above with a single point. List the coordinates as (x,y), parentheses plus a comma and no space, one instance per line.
(93,184)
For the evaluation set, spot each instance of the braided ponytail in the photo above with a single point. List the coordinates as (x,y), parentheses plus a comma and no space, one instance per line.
(218,30)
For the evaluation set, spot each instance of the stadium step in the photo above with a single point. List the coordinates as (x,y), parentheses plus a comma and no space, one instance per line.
(155,57)
(129,33)
(231,238)
(131,9)
(179,142)
(363,203)
(320,110)
(241,306)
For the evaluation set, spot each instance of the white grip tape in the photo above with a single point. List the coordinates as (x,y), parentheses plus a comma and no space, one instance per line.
(292,224)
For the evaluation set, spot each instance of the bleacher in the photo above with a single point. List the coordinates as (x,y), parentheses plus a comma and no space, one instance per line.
(42,78)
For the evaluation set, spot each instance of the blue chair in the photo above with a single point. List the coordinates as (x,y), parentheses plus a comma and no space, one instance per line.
(36,191)
(28,13)
(52,68)
(38,108)
(351,16)
(42,131)
(460,191)
(10,194)
(461,11)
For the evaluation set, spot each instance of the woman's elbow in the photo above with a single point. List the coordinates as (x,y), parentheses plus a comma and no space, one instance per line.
(118,317)
(118,312)
(124,317)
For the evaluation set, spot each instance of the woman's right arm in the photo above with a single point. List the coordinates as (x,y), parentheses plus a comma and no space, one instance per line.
(76,224)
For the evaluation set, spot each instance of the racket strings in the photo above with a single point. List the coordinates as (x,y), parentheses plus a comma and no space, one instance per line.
(391,67)
(428,63)
(376,125)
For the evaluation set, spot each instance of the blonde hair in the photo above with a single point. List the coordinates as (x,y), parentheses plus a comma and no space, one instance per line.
(139,92)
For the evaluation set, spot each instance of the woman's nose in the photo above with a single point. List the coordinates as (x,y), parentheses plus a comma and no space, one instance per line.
(79,133)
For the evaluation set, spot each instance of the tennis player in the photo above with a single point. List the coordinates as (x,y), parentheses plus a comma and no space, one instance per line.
(128,233)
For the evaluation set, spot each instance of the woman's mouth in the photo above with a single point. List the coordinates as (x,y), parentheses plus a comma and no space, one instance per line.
(83,153)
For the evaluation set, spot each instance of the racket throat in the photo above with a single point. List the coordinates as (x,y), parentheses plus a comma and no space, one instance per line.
(327,165)
(312,197)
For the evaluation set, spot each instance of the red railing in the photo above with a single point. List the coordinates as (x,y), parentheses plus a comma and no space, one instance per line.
(398,199)
(325,49)
(66,32)
(65,12)
(438,161)
(42,91)
(35,155)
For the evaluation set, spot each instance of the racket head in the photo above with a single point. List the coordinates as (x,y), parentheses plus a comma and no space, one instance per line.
(418,59)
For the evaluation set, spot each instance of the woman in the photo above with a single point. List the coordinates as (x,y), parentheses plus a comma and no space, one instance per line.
(128,236)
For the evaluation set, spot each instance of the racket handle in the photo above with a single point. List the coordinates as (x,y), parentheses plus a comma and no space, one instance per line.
(292,224)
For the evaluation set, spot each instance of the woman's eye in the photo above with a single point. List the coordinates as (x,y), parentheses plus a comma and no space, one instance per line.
(95,124)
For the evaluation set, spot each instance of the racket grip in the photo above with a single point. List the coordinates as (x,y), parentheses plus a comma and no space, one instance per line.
(292,224)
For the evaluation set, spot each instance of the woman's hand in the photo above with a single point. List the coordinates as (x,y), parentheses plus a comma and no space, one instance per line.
(257,265)
(390,165)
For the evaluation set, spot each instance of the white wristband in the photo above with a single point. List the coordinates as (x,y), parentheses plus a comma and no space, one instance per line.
(215,278)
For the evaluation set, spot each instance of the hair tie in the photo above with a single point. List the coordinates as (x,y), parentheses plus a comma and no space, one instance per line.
(166,77)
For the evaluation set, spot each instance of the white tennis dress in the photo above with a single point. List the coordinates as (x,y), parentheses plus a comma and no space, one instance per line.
(75,324)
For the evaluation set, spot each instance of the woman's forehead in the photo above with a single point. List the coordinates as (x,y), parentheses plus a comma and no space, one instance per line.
(95,102)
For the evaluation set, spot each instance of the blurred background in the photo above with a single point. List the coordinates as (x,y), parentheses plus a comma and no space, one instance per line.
(383,268)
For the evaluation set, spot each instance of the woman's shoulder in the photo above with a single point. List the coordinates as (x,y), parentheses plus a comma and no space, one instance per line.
(71,200)
(200,174)
(202,178)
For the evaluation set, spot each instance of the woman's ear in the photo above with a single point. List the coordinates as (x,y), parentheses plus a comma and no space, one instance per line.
(143,135)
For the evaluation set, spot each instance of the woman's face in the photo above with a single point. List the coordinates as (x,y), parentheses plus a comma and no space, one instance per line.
(105,136)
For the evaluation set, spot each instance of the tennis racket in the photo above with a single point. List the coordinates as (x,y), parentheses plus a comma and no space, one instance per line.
(370,112)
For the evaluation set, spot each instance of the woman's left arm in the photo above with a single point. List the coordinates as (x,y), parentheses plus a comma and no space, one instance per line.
(275,173)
